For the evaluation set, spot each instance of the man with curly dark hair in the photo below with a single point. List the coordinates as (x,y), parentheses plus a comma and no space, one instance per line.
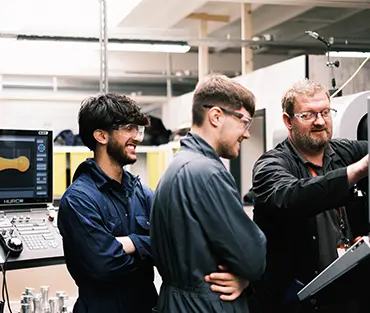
(104,215)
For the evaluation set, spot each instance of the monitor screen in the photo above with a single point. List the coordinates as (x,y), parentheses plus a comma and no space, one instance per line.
(26,167)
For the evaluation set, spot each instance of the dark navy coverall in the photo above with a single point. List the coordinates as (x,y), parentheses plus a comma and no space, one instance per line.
(95,210)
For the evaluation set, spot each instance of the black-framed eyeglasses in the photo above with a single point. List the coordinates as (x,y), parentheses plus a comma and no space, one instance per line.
(245,119)
(311,116)
(130,130)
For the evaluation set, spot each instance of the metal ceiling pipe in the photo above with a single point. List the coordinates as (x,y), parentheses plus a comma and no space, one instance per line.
(214,42)
(103,40)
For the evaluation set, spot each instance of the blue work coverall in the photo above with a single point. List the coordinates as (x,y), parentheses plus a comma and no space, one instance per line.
(95,210)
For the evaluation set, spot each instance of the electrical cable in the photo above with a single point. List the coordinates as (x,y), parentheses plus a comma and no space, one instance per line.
(5,292)
(354,74)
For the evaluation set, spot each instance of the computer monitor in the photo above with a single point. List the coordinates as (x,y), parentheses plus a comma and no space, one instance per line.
(26,165)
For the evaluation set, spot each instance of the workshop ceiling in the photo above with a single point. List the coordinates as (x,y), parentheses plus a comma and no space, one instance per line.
(279,25)
(284,21)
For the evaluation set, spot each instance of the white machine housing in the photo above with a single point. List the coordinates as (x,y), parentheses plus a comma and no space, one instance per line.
(351,109)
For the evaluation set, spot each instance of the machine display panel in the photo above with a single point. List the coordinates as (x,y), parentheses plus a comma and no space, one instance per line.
(26,167)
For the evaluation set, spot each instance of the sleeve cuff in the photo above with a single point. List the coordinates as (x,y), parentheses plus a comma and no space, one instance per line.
(340,177)
(139,247)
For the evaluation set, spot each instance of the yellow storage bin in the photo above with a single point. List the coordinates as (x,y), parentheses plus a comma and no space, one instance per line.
(77,158)
(59,174)
(156,165)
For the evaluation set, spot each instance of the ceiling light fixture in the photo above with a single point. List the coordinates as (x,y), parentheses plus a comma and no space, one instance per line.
(349,54)
(149,47)
(115,44)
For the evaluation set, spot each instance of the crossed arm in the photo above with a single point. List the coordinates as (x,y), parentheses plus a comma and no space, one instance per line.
(229,285)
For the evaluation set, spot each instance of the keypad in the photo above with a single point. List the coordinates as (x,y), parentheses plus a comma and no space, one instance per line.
(37,242)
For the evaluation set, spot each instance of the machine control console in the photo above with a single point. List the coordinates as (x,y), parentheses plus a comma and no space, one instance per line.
(30,236)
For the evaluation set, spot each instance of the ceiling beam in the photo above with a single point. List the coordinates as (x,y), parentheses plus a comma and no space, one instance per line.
(209,17)
(160,13)
(296,34)
(263,19)
(268,17)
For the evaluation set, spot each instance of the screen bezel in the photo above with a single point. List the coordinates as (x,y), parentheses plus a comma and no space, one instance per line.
(7,202)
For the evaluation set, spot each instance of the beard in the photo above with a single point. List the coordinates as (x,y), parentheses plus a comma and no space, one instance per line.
(118,153)
(307,142)
(226,151)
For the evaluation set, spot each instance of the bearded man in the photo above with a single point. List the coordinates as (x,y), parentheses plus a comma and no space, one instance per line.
(104,215)
(303,192)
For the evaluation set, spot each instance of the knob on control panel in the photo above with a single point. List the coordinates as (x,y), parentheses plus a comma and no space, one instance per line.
(15,243)
(11,245)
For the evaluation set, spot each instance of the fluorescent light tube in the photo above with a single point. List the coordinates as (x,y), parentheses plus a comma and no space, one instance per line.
(148,47)
(176,47)
(348,54)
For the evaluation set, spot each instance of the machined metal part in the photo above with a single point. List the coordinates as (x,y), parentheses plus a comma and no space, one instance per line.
(45,298)
(53,304)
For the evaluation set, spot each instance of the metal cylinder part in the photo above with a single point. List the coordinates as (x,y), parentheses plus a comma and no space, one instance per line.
(53,305)
(29,291)
(58,293)
(45,298)
(61,301)
(64,309)
(25,308)
(37,303)
(27,299)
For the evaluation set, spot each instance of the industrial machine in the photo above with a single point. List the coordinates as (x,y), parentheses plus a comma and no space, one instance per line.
(351,115)
(28,232)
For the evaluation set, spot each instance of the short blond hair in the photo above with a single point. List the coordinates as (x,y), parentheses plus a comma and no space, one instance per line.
(304,87)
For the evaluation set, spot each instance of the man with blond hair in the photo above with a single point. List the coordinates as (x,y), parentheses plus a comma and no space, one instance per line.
(303,192)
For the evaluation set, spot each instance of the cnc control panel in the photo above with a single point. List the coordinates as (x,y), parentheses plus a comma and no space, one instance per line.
(35,233)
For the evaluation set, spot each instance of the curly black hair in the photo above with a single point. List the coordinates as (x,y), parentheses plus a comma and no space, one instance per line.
(104,111)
